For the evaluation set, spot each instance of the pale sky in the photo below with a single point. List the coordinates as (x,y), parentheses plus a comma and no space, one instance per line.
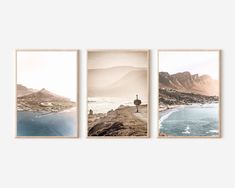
(196,62)
(55,71)
(107,59)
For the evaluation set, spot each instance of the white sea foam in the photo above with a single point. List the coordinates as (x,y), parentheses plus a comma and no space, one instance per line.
(214,131)
(187,130)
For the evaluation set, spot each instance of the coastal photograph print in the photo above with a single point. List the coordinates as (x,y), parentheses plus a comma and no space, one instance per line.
(118,93)
(46,92)
(189,93)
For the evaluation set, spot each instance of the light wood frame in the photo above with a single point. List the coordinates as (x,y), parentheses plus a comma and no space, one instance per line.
(77,93)
(148,51)
(219,113)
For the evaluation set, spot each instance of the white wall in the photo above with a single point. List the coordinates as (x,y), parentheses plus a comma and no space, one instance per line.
(150,163)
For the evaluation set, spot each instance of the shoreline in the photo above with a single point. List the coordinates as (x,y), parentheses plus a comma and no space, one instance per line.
(174,108)
(45,112)
(169,107)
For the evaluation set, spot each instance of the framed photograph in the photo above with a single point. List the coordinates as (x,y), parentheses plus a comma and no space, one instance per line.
(46,92)
(118,93)
(189,93)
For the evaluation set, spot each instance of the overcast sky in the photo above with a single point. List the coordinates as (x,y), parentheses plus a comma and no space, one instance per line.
(197,62)
(54,71)
(107,59)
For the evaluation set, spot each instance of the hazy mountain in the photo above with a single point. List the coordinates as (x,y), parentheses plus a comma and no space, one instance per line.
(43,100)
(185,82)
(105,77)
(132,83)
(118,82)
(22,90)
(43,96)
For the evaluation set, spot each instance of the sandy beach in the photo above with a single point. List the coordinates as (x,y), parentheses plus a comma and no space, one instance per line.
(167,107)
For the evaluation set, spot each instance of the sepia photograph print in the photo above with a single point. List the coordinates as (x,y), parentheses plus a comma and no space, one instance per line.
(189,93)
(46,93)
(118,93)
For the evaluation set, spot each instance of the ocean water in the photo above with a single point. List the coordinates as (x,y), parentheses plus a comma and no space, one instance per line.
(191,120)
(42,124)
(105,104)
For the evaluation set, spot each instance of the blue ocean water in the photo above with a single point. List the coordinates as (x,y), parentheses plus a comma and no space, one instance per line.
(191,120)
(40,124)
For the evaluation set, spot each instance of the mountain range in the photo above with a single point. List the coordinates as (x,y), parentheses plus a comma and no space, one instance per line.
(189,83)
(22,90)
(42,100)
(123,81)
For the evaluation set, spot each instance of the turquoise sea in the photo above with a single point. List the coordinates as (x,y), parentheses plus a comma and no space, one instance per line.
(43,124)
(191,120)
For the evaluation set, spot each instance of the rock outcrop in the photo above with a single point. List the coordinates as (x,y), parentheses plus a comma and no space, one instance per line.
(106,129)
(119,122)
